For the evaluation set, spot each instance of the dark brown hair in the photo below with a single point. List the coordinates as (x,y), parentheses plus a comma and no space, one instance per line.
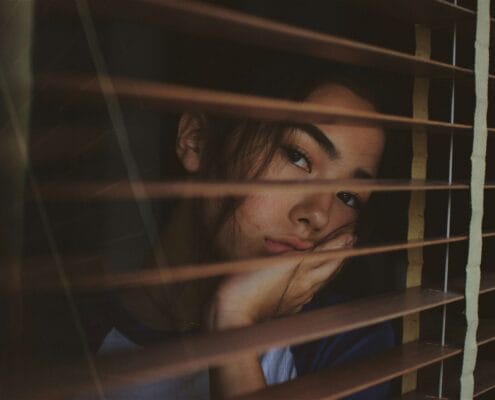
(240,149)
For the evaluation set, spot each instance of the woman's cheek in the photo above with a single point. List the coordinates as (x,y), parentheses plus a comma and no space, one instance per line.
(263,212)
(345,215)
(260,216)
(242,236)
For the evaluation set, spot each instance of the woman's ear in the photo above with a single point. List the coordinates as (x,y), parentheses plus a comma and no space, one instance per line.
(189,141)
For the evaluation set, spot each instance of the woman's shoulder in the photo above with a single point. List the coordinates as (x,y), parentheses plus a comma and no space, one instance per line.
(126,325)
(104,315)
(334,350)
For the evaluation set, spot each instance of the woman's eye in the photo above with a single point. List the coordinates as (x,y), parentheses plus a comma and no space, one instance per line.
(350,199)
(298,158)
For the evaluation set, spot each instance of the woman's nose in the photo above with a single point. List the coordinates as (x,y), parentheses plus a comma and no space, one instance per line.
(313,212)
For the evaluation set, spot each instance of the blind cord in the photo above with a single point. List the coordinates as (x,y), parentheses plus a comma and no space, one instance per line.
(478,166)
(449,209)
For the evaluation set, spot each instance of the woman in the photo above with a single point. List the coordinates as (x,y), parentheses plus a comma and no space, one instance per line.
(265,224)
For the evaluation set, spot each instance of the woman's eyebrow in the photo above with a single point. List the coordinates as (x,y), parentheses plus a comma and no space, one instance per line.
(319,137)
(362,174)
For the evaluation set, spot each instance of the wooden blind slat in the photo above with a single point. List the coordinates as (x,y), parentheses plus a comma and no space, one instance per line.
(361,374)
(86,281)
(358,375)
(418,396)
(486,333)
(484,377)
(80,89)
(213,349)
(484,380)
(197,352)
(122,190)
(487,284)
(41,280)
(425,12)
(430,13)
(220,23)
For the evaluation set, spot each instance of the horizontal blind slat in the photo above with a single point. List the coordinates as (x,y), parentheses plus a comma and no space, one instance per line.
(418,396)
(484,377)
(355,376)
(200,351)
(220,23)
(430,13)
(484,380)
(80,89)
(487,284)
(120,190)
(358,375)
(486,333)
(41,281)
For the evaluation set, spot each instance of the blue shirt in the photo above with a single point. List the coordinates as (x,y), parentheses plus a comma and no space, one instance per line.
(279,365)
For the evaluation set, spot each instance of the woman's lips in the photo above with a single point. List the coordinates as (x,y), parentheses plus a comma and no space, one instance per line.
(278,246)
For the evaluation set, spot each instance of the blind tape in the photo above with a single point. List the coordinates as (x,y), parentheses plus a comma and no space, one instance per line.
(411,323)
(473,267)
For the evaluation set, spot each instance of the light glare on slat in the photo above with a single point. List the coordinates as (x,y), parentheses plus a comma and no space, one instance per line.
(65,191)
(202,350)
(222,23)
(357,375)
(77,89)
(161,275)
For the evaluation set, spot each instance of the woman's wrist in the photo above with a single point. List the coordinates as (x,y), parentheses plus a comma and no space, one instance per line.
(229,321)
(220,317)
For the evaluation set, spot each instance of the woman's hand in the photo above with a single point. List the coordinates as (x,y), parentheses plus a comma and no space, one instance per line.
(246,298)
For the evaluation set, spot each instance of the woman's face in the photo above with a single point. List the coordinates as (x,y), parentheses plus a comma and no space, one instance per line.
(274,223)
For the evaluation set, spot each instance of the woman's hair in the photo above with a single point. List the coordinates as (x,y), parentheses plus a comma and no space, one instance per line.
(240,149)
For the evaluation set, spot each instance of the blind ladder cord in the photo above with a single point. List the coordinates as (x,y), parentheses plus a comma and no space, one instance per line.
(478,166)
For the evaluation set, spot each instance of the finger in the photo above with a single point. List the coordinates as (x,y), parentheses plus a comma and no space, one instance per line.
(324,280)
(298,303)
(349,228)
(325,271)
(342,241)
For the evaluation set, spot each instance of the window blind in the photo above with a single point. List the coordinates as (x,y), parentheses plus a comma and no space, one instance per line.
(78,90)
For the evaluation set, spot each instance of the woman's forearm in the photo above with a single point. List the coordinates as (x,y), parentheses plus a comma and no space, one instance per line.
(241,376)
